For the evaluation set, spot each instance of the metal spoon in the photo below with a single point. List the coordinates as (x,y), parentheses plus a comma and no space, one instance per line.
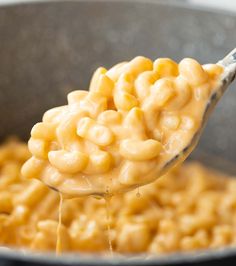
(105,188)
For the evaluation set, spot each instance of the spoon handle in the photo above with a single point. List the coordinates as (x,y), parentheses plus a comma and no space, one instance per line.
(229,64)
(229,59)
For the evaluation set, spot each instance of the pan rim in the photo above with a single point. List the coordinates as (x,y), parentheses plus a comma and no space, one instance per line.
(73,259)
(185,4)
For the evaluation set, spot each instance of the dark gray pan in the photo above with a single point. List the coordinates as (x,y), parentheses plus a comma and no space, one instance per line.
(48,49)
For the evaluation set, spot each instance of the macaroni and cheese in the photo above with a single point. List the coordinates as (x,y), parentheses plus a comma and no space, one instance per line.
(119,135)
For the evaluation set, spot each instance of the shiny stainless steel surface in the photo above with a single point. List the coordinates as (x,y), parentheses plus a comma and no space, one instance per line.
(48,49)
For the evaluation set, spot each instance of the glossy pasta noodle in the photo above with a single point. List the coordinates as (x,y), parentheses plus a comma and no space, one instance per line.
(190,208)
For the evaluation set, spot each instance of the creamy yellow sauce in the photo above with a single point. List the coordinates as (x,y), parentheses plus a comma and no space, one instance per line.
(59,244)
(190,208)
(119,135)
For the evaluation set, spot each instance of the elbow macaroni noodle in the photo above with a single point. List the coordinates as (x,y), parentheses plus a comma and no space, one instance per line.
(190,208)
(135,117)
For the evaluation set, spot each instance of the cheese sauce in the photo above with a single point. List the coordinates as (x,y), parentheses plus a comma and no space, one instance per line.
(58,244)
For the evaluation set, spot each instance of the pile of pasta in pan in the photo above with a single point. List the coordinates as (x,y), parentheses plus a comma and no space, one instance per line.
(190,208)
